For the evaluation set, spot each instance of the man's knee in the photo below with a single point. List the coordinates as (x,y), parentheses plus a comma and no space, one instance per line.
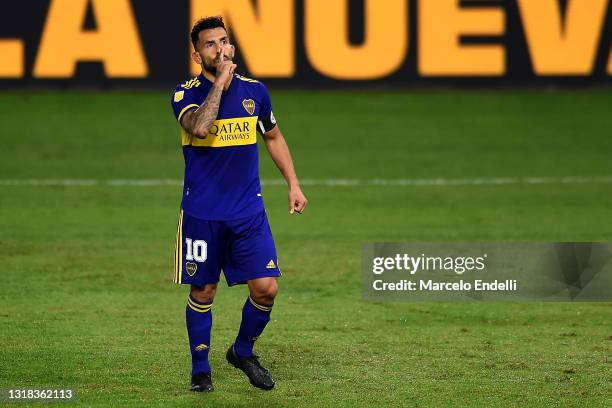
(263,290)
(204,294)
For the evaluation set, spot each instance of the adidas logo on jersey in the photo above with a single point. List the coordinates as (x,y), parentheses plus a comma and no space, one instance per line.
(271,265)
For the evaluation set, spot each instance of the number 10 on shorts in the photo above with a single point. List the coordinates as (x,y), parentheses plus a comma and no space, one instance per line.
(196,250)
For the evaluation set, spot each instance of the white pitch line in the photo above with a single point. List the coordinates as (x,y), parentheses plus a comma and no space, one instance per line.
(332,182)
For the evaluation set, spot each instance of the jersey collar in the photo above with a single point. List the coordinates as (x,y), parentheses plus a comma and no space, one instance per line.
(205,80)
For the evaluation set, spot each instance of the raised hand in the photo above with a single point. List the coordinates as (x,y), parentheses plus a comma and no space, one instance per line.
(225,70)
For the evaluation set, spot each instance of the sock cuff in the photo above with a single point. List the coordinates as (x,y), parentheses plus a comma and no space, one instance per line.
(263,308)
(199,307)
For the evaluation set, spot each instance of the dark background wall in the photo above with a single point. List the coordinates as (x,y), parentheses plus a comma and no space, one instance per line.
(162,30)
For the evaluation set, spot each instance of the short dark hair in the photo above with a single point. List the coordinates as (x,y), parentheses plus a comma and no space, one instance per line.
(205,23)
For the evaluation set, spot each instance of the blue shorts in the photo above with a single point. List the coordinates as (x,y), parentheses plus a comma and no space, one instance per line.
(243,248)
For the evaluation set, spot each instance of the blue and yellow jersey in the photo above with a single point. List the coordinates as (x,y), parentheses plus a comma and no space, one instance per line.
(222,170)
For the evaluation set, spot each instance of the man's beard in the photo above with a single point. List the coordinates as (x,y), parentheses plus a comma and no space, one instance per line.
(211,67)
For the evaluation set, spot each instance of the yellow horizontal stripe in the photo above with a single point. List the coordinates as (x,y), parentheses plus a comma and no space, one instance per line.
(198,307)
(245,79)
(225,132)
(193,105)
(260,307)
(197,310)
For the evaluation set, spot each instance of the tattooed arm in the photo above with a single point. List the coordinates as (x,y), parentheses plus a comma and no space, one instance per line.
(199,121)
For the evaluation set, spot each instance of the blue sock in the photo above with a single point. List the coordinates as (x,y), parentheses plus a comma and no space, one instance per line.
(199,323)
(255,317)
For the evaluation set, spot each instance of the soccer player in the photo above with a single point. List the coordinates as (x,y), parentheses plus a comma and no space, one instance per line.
(223,223)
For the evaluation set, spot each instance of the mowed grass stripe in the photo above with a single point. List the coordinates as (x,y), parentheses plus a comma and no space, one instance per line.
(332,182)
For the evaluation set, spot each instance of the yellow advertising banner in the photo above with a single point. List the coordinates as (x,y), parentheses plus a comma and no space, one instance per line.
(309,42)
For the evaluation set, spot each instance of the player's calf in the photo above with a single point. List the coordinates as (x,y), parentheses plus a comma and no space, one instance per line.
(255,316)
(199,323)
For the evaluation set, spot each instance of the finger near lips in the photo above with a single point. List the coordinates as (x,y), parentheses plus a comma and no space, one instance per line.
(220,59)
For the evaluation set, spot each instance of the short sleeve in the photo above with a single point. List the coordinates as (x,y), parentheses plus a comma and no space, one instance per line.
(182,102)
(265,120)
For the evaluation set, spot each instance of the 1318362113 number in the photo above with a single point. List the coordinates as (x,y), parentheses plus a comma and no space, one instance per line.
(37,394)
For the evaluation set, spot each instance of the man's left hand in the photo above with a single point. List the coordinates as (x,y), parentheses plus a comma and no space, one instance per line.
(297,200)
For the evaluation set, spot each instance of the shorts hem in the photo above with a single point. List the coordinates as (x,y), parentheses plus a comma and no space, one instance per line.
(242,282)
(197,283)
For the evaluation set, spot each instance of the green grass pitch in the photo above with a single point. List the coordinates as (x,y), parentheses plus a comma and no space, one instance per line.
(86,299)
